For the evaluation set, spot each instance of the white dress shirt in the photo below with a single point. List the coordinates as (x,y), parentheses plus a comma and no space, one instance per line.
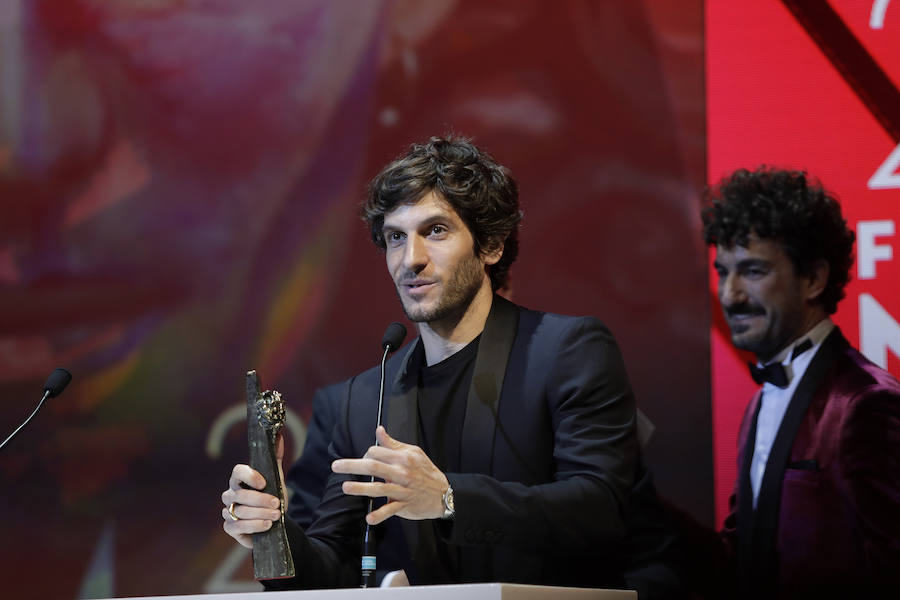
(775,400)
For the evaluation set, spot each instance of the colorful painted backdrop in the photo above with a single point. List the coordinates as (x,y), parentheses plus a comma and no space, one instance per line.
(179,189)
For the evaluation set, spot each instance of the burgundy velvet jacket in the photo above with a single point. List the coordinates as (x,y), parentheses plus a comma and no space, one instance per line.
(827,520)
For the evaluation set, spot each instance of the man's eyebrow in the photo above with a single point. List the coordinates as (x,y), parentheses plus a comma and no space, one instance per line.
(431,219)
(753,262)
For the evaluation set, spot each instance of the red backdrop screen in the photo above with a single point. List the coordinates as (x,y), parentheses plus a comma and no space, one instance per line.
(810,85)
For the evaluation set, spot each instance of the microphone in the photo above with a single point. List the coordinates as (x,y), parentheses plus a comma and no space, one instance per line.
(393,337)
(53,387)
(390,341)
(57,382)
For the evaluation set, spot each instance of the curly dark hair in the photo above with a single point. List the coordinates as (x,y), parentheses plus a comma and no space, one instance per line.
(482,192)
(791,208)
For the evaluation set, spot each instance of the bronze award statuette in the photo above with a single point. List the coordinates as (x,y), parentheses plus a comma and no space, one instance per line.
(265,416)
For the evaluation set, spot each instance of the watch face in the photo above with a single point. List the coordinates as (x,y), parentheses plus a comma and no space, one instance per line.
(449,508)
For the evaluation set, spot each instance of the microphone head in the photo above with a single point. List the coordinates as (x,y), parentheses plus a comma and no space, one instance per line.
(393,337)
(57,382)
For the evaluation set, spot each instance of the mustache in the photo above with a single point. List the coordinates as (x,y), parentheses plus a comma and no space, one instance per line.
(743,308)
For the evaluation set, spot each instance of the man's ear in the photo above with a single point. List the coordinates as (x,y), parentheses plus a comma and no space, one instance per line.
(490,256)
(817,279)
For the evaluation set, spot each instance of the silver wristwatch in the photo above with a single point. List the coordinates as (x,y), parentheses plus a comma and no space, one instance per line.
(449,508)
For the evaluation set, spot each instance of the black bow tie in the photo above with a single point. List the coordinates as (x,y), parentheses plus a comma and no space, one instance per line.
(775,373)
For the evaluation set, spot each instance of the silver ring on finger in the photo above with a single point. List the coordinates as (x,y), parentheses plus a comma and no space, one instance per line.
(234,517)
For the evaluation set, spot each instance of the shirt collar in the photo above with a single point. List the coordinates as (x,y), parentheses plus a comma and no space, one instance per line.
(816,335)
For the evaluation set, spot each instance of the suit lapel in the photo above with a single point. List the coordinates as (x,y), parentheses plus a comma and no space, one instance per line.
(402,423)
(765,521)
(476,452)
(402,420)
(745,498)
(477,446)
(402,414)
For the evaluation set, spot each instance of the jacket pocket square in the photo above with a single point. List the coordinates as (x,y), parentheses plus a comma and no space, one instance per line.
(804,465)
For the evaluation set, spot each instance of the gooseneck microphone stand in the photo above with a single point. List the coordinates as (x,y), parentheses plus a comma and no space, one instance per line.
(56,383)
(392,339)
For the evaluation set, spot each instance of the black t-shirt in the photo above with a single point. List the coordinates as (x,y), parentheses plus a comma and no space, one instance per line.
(443,392)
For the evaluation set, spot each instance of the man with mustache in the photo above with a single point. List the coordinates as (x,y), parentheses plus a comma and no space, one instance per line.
(509,450)
(814,513)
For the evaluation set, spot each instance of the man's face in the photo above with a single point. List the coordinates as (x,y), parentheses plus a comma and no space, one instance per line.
(766,303)
(431,258)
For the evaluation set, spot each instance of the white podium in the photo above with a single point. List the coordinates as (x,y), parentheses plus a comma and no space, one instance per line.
(475,591)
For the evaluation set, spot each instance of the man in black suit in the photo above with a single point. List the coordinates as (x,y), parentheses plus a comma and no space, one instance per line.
(645,555)
(509,449)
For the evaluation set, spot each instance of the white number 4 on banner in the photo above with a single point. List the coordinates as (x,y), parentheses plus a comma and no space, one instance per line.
(887,177)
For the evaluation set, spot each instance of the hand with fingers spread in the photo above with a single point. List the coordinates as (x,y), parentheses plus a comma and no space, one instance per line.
(413,486)
(248,510)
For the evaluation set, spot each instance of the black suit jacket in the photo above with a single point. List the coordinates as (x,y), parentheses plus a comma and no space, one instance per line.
(548,456)
(307,477)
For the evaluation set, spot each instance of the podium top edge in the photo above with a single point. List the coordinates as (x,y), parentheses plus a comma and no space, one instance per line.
(472,591)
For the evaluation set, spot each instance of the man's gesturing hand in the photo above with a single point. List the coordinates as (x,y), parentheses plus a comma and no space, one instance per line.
(412,484)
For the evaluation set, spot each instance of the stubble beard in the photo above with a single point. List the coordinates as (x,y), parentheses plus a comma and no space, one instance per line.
(756,344)
(458,293)
(768,342)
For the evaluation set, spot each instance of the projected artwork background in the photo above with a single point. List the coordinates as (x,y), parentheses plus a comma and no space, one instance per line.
(179,188)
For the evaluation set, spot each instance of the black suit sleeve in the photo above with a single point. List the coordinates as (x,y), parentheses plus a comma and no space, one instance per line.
(307,477)
(592,410)
(322,559)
